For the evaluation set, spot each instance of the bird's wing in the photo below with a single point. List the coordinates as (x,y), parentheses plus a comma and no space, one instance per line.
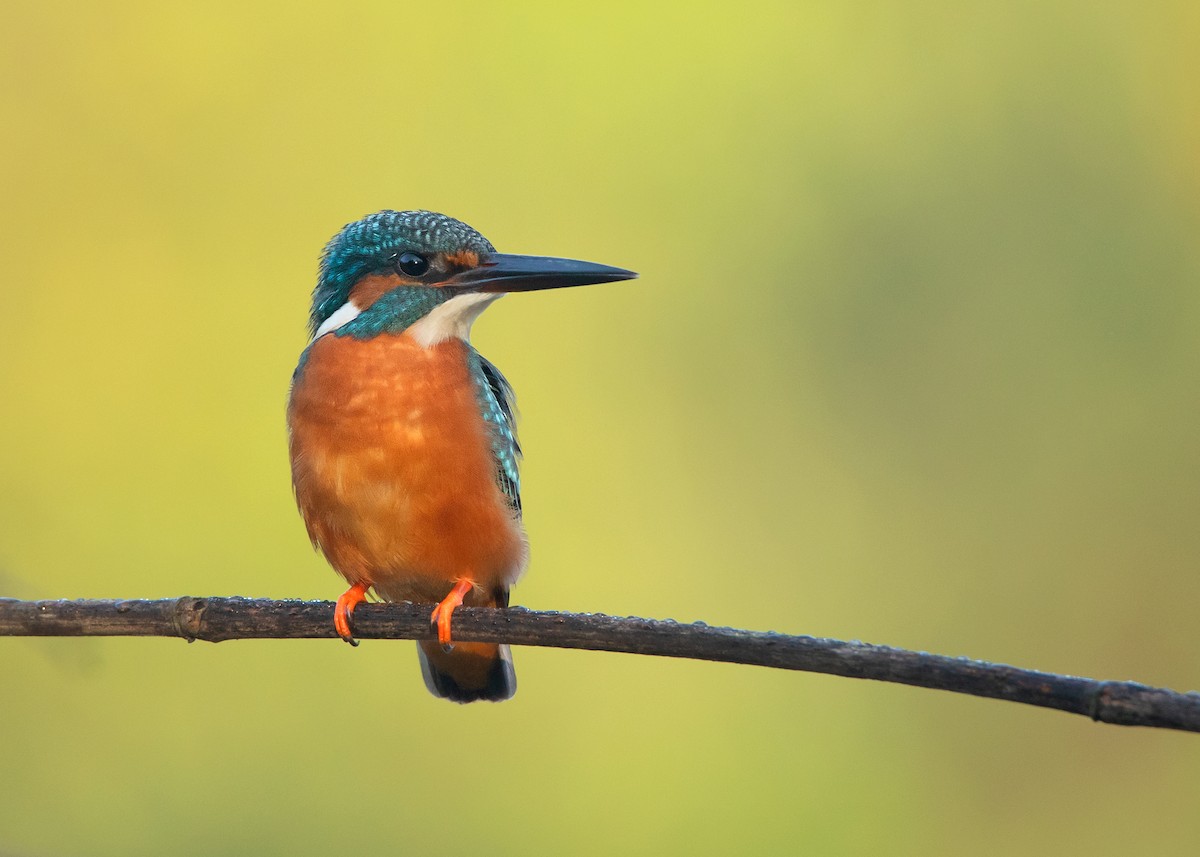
(499,412)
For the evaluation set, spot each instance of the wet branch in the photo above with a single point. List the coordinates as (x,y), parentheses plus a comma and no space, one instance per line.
(216,619)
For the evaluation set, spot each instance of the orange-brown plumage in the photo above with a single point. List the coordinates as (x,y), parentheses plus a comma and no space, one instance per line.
(371,288)
(393,469)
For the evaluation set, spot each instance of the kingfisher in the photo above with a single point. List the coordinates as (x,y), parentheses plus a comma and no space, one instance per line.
(403,437)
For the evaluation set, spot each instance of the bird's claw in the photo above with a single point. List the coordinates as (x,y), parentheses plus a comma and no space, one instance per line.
(344,609)
(444,610)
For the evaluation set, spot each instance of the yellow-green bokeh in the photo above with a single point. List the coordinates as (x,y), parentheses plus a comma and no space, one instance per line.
(914,358)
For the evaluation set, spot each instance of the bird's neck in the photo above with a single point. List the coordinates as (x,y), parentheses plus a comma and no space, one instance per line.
(392,312)
(428,315)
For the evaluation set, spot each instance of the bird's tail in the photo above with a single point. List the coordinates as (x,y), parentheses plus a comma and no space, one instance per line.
(469,672)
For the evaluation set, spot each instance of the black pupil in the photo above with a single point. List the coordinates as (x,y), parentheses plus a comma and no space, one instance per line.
(412,264)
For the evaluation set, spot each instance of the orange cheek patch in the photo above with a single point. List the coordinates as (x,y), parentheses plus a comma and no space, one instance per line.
(463,259)
(372,287)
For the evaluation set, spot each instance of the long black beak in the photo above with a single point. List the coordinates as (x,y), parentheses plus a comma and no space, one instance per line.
(503,272)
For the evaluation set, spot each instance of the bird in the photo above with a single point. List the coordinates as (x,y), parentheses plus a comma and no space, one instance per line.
(402,436)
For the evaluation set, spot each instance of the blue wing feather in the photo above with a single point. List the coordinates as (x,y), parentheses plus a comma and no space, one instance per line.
(498,406)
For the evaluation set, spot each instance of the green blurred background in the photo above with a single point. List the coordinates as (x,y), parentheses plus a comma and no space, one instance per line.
(914,358)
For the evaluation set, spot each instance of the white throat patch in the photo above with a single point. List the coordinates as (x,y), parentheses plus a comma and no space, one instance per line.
(451,319)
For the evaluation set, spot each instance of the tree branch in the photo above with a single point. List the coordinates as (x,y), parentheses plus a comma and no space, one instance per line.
(216,619)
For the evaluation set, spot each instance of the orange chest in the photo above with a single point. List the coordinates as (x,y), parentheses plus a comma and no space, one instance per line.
(393,465)
(387,391)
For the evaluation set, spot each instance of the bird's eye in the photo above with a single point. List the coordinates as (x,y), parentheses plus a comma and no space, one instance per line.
(412,264)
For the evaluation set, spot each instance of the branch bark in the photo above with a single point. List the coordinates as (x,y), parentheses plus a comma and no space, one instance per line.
(1125,703)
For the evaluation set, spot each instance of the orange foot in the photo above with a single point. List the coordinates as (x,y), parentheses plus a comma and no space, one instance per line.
(445,609)
(349,599)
